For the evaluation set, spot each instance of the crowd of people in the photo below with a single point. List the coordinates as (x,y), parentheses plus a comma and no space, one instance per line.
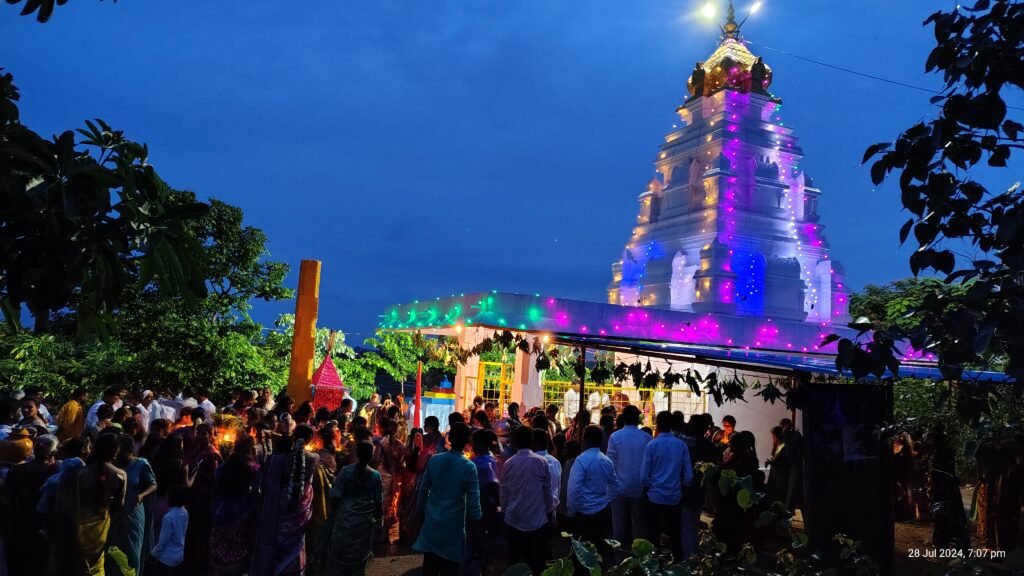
(171,483)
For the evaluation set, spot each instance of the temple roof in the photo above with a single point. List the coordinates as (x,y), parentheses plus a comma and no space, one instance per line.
(731,65)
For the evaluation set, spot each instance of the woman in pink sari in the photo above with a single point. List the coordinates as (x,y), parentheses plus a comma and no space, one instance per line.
(287,508)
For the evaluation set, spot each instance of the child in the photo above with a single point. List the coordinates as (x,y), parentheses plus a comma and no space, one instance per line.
(169,551)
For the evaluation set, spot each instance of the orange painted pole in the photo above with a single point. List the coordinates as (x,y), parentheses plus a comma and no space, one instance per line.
(307,303)
(419,395)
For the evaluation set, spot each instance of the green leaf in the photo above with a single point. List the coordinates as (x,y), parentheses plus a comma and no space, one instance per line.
(765,518)
(642,548)
(560,567)
(744,499)
(524,570)
(586,554)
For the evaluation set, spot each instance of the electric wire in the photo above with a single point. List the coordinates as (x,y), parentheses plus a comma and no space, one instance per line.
(855,72)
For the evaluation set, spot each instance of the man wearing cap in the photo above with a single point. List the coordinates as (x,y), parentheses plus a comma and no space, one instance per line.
(146,415)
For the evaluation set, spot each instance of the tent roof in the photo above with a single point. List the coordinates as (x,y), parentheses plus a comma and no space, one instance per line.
(767,361)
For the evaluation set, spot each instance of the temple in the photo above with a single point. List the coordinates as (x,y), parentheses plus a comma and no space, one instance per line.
(727,270)
(729,223)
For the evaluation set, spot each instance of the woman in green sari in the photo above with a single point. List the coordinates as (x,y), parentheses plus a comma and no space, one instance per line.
(132,528)
(358,496)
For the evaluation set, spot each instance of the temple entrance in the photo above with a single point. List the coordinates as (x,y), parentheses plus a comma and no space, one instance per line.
(565,395)
(494,384)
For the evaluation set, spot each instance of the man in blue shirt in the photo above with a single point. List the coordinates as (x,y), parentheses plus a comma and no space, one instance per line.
(527,502)
(626,451)
(449,494)
(665,471)
(592,487)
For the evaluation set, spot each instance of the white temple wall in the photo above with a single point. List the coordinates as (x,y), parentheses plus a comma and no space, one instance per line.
(466,375)
(755,415)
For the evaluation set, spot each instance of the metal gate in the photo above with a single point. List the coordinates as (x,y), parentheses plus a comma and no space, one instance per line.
(494,384)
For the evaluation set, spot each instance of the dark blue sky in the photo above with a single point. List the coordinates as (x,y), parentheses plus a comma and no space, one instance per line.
(424,148)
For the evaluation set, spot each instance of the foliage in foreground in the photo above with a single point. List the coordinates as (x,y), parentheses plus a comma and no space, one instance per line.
(85,222)
(645,559)
(980,53)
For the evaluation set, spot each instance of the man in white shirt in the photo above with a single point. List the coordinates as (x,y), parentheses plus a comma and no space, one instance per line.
(145,408)
(204,402)
(170,407)
(540,448)
(595,403)
(110,396)
(526,500)
(187,400)
(572,404)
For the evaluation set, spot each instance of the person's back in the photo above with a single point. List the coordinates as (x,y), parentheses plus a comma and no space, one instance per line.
(665,471)
(101,487)
(540,448)
(526,476)
(528,502)
(487,475)
(666,468)
(71,417)
(450,494)
(593,485)
(626,452)
(169,550)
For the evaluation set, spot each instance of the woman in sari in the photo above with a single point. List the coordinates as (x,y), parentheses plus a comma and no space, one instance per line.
(409,518)
(132,528)
(357,496)
(264,435)
(202,464)
(323,478)
(235,501)
(86,500)
(287,508)
(393,450)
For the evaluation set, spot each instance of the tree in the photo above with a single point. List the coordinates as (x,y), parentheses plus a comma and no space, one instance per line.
(235,262)
(43,9)
(57,364)
(980,52)
(77,230)
(897,303)
(356,373)
(210,342)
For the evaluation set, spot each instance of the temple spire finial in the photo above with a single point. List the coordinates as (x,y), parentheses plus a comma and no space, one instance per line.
(731,30)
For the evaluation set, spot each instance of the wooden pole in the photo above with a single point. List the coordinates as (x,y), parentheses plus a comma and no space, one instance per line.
(307,303)
(419,395)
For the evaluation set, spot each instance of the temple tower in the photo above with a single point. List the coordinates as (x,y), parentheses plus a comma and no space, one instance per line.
(729,223)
